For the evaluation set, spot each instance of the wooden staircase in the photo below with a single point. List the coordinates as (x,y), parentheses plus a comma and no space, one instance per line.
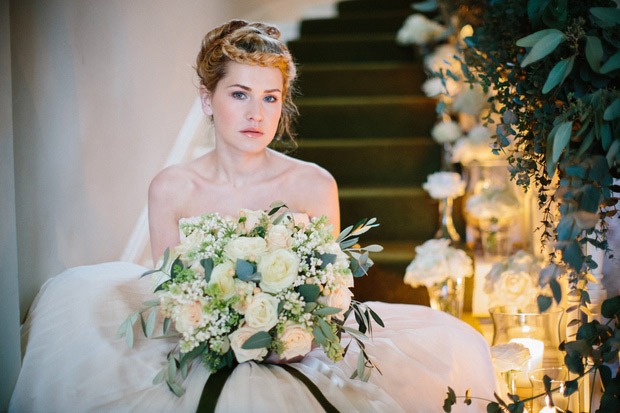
(364,118)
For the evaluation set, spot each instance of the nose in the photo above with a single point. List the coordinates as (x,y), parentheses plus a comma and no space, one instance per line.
(255,111)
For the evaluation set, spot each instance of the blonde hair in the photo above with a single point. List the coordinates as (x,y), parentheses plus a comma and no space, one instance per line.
(254,44)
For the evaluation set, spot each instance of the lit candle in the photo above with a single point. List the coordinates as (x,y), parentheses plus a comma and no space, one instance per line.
(536,348)
(547,408)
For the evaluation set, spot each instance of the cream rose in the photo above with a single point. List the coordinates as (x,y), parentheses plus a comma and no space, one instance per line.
(238,338)
(441,185)
(446,131)
(278,270)
(249,219)
(262,312)
(419,29)
(470,101)
(246,248)
(509,356)
(435,261)
(279,237)
(339,298)
(222,276)
(515,287)
(188,316)
(297,341)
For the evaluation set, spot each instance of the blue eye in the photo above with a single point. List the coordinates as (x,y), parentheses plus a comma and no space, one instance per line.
(271,99)
(238,95)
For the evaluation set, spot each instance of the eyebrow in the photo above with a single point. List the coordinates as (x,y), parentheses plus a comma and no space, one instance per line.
(250,89)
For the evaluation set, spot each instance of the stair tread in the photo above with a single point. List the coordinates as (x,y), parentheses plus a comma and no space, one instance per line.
(363,100)
(366,142)
(380,191)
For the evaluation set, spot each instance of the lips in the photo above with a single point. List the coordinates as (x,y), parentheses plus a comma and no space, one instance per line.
(252,132)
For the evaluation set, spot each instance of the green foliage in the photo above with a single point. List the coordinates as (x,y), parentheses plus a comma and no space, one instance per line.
(556,91)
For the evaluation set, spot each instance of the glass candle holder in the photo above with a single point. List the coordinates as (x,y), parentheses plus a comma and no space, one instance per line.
(558,376)
(540,333)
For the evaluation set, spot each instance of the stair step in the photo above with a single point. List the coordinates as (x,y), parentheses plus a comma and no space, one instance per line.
(404,213)
(366,117)
(385,161)
(361,79)
(379,22)
(351,48)
(348,7)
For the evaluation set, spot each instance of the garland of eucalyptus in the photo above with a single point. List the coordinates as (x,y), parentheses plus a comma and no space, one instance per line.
(554,67)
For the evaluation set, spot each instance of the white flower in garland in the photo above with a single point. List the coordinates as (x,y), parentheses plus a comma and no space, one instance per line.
(446,131)
(420,30)
(442,185)
(509,356)
(475,146)
(435,261)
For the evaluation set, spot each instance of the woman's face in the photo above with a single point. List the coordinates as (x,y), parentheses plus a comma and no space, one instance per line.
(246,106)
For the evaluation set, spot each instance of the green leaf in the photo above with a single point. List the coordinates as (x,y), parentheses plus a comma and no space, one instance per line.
(532,39)
(608,16)
(276,206)
(376,317)
(150,323)
(310,292)
(611,64)
(574,363)
(594,52)
(159,378)
(327,259)
(425,6)
(262,339)
(606,136)
(327,311)
(570,387)
(175,388)
(556,289)
(611,307)
(172,367)
(612,111)
(207,264)
(558,74)
(544,302)
(561,139)
(244,269)
(319,337)
(327,330)
(612,152)
(449,401)
(177,267)
(166,326)
(544,47)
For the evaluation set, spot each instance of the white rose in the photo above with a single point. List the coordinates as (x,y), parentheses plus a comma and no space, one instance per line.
(245,248)
(446,131)
(441,185)
(339,298)
(515,288)
(297,341)
(470,101)
(278,270)
(510,356)
(188,245)
(188,316)
(222,276)
(249,219)
(435,261)
(262,312)
(342,259)
(279,237)
(238,338)
(443,58)
(433,87)
(419,29)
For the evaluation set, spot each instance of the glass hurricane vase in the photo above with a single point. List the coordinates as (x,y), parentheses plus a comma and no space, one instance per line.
(447,296)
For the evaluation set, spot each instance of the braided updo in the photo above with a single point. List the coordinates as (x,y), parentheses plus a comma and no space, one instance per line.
(254,44)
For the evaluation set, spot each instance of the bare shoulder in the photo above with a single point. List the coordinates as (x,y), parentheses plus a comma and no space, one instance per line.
(171,183)
(308,172)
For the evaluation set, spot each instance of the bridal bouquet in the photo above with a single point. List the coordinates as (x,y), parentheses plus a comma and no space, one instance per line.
(263,286)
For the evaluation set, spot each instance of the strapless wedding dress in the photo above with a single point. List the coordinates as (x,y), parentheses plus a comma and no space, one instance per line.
(73,361)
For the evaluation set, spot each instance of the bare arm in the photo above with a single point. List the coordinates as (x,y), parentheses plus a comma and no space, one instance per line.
(163,213)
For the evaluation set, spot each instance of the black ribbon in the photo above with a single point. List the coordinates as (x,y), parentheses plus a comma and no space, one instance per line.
(216,381)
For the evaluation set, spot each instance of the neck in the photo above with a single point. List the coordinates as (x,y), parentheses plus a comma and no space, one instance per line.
(239,169)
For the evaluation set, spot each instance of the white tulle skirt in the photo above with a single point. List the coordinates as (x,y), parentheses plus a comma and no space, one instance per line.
(73,361)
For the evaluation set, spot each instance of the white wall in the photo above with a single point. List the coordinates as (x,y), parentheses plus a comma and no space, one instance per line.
(9,289)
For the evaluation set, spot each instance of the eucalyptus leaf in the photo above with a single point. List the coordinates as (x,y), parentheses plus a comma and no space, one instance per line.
(558,74)
(612,152)
(327,259)
(348,243)
(373,248)
(612,111)
(310,292)
(261,339)
(177,267)
(562,137)
(611,307)
(319,337)
(159,378)
(544,302)
(172,367)
(327,311)
(532,39)
(344,234)
(327,330)
(129,335)
(608,16)
(611,64)
(425,6)
(544,47)
(150,323)
(207,264)
(166,326)
(606,136)
(175,388)
(309,307)
(594,52)
(244,269)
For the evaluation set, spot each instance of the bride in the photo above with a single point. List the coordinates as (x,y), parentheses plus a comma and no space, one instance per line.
(73,361)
